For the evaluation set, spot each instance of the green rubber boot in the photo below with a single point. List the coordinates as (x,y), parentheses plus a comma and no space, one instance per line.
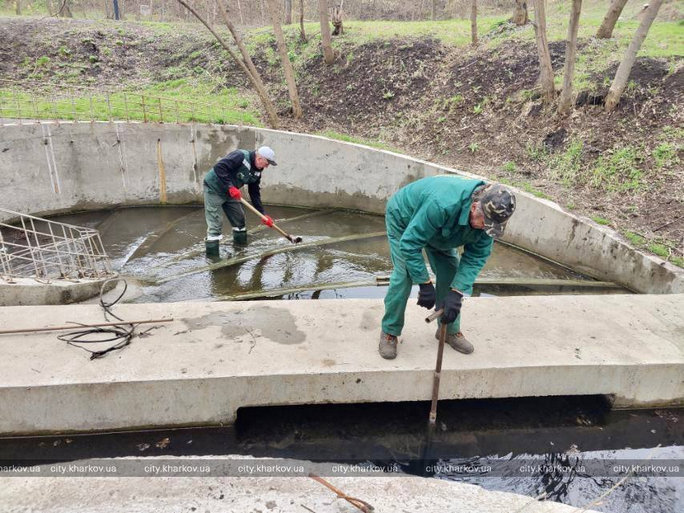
(212,248)
(240,237)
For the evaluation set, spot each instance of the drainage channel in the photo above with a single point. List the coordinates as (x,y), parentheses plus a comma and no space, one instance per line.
(343,255)
(565,448)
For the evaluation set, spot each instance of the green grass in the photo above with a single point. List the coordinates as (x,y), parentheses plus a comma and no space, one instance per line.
(618,170)
(659,249)
(510,167)
(665,155)
(164,102)
(566,167)
(600,220)
(635,239)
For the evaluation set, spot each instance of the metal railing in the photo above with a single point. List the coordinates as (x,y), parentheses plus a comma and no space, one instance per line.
(32,247)
(35,102)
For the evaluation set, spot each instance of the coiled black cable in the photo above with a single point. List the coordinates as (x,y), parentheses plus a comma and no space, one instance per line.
(121,334)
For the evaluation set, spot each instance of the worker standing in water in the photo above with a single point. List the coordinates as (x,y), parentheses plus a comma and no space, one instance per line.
(222,193)
(439,214)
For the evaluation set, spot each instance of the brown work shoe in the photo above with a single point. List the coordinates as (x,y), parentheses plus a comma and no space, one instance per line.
(388,346)
(458,342)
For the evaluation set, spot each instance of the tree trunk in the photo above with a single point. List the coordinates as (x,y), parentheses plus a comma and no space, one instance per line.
(565,103)
(242,17)
(623,71)
(433,12)
(288,12)
(247,65)
(546,70)
(287,65)
(337,15)
(605,31)
(17,10)
(117,15)
(302,33)
(64,10)
(520,13)
(473,21)
(326,43)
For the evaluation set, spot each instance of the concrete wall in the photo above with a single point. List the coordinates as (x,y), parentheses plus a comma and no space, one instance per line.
(27,291)
(50,167)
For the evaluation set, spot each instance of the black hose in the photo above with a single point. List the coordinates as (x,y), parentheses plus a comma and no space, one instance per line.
(121,334)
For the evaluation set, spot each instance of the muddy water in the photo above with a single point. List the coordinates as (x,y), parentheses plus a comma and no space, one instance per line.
(563,447)
(153,245)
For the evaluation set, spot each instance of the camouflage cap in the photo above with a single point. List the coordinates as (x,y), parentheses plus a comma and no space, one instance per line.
(497,204)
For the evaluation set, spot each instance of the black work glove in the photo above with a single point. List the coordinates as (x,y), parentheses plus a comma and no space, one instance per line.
(427,295)
(452,306)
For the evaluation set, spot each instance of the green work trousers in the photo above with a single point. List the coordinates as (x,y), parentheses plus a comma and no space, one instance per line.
(444,264)
(214,208)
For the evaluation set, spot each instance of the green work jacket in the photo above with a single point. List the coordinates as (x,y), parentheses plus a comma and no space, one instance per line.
(434,212)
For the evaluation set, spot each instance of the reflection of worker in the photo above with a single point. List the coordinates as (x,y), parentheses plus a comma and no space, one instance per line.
(439,214)
(222,192)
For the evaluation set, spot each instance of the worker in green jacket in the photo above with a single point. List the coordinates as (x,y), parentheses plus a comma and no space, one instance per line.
(438,214)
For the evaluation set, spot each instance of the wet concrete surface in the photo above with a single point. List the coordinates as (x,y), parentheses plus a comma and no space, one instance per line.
(577,434)
(149,244)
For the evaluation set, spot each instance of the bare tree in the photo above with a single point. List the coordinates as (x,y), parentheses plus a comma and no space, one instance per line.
(520,13)
(17,9)
(473,21)
(337,15)
(302,33)
(625,68)
(605,31)
(433,11)
(246,65)
(545,68)
(288,12)
(565,102)
(284,58)
(326,42)
(64,10)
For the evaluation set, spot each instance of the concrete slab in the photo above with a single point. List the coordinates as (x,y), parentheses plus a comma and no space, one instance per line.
(254,494)
(217,357)
(29,291)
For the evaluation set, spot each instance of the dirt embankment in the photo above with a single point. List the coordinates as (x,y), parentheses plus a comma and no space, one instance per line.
(476,110)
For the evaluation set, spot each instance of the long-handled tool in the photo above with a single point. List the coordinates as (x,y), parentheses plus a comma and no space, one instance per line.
(293,240)
(438,372)
(425,462)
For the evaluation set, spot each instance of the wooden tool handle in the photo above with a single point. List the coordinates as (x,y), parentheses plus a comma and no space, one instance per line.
(434,315)
(263,218)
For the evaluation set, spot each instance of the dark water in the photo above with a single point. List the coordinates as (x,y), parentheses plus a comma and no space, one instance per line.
(153,245)
(563,447)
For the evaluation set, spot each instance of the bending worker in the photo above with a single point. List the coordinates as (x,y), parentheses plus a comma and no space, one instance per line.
(222,192)
(438,214)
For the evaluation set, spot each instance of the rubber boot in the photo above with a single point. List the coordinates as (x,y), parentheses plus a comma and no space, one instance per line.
(212,248)
(240,237)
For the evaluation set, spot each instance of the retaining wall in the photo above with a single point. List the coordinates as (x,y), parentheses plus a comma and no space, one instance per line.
(57,167)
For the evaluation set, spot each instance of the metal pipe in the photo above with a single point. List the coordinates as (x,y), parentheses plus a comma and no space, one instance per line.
(79,325)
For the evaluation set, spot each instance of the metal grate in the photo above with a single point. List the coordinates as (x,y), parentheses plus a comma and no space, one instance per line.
(32,247)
